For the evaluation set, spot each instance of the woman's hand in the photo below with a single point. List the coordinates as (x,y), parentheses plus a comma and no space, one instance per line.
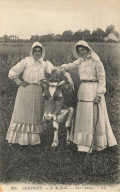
(61,70)
(97,99)
(24,84)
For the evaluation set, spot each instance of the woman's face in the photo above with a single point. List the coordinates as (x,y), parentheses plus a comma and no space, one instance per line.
(37,53)
(82,51)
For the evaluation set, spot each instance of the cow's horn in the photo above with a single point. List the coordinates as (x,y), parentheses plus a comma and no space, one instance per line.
(61,83)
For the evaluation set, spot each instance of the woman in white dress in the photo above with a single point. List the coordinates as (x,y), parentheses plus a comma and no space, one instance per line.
(92,130)
(26,122)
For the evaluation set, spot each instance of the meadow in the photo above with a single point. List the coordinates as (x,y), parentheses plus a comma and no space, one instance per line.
(62,165)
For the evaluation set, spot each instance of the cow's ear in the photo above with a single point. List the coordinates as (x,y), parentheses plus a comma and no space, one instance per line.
(54,75)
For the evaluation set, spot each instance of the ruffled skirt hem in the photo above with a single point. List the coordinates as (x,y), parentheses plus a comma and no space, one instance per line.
(25,128)
(24,134)
(84,142)
(23,138)
(82,148)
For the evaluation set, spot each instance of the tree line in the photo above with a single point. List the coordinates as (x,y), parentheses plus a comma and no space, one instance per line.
(97,35)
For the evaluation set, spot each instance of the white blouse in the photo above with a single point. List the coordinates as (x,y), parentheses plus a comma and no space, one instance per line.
(33,71)
(90,69)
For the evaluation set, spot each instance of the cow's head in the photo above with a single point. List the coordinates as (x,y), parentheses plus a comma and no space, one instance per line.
(57,92)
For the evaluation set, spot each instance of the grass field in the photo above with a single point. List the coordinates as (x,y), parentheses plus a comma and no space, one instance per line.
(61,165)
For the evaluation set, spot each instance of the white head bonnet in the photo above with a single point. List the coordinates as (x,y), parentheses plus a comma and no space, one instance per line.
(40,45)
(85,44)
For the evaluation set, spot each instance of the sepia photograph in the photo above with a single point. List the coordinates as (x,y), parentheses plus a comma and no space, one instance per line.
(60,96)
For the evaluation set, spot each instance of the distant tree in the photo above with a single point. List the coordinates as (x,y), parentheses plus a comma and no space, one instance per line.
(98,35)
(47,38)
(6,38)
(34,38)
(101,33)
(77,35)
(86,35)
(110,29)
(67,35)
(50,37)
(57,37)
(43,38)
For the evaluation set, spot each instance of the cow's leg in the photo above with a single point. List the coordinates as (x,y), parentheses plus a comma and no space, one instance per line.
(68,124)
(55,140)
(68,135)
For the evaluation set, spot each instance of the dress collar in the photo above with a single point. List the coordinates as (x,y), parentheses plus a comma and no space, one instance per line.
(39,60)
(88,57)
(30,60)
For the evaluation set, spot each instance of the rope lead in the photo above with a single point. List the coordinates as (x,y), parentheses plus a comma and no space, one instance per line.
(88,153)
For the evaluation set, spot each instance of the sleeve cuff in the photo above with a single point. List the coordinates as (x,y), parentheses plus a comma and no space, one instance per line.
(100,94)
(17,80)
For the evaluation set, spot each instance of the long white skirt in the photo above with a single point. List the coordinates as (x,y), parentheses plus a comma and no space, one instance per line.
(92,126)
(26,122)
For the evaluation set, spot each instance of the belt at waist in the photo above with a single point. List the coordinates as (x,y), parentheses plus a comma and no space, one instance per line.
(34,83)
(89,81)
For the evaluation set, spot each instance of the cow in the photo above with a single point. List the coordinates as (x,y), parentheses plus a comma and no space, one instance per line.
(60,101)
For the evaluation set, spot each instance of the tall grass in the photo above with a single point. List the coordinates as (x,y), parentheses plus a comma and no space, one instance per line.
(46,165)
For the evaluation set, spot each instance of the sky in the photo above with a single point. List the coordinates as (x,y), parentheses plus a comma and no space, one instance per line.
(30,17)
